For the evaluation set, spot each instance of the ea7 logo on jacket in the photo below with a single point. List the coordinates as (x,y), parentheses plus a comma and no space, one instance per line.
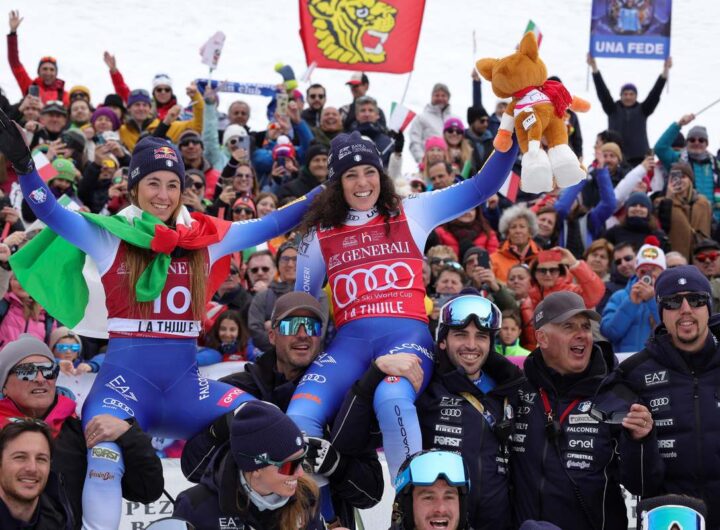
(528,397)
(657,378)
(230,523)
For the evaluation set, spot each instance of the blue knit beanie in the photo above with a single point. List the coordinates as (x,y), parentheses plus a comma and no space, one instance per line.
(639,198)
(350,150)
(155,154)
(682,279)
(260,431)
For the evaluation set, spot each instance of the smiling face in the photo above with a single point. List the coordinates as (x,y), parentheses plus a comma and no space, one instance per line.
(436,506)
(102,124)
(546,223)
(547,274)
(139,111)
(162,93)
(467,348)
(265,206)
(159,194)
(48,73)
(24,468)
(330,119)
(361,187)
(31,397)
(228,331)
(295,352)
(566,347)
(269,480)
(687,326)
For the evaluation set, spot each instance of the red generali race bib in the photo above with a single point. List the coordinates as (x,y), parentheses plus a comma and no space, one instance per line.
(374,272)
(170,315)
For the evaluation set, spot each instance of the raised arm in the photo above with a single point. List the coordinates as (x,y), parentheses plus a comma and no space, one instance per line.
(310,266)
(70,225)
(244,234)
(429,210)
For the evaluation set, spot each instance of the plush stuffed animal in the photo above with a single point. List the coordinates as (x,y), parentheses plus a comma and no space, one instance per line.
(537,110)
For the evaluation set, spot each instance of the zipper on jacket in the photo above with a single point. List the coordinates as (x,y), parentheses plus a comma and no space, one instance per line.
(698,435)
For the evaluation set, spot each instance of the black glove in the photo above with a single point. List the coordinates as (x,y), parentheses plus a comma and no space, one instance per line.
(220,428)
(322,457)
(13,146)
(399,138)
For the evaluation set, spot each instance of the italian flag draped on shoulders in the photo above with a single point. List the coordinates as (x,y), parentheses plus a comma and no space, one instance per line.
(66,282)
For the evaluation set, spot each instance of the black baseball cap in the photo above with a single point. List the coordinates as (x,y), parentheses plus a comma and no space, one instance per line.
(706,244)
(559,307)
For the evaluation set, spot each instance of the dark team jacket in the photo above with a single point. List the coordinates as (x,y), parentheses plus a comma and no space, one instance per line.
(357,481)
(450,422)
(573,479)
(219,502)
(685,403)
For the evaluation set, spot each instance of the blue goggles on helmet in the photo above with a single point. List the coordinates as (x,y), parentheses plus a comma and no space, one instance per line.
(458,312)
(425,468)
(671,517)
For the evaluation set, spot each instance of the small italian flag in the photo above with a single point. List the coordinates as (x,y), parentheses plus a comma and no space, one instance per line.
(400,117)
(532,27)
(511,186)
(44,168)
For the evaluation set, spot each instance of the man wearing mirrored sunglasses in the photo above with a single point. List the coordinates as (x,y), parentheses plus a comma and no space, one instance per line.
(467,406)
(706,257)
(431,492)
(296,331)
(566,465)
(677,375)
(28,374)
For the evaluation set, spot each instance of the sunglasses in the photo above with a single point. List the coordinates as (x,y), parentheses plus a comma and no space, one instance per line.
(442,261)
(316,96)
(288,467)
(235,140)
(291,326)
(288,259)
(185,143)
(247,211)
(163,89)
(29,371)
(255,270)
(64,348)
(694,300)
(705,257)
(234,272)
(626,259)
(453,130)
(548,270)
(694,140)
(196,184)
(77,95)
(118,180)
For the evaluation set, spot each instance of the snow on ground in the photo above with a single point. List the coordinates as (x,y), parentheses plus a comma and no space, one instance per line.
(151,36)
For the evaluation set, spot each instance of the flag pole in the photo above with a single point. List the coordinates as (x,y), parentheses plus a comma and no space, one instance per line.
(706,107)
(407,85)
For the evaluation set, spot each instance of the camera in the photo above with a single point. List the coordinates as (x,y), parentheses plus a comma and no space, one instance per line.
(647,279)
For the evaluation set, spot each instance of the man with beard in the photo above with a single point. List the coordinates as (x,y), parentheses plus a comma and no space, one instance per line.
(295,332)
(676,374)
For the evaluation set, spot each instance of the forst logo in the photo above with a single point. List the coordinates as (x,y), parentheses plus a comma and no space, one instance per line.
(650,253)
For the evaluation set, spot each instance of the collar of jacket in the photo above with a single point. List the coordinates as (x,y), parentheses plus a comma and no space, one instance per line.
(506,375)
(537,372)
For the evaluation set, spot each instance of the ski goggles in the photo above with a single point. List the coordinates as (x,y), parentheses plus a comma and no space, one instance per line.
(291,326)
(286,467)
(458,312)
(694,300)
(29,371)
(65,348)
(425,468)
(672,517)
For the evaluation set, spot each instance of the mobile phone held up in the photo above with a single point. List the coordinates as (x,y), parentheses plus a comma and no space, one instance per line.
(282,103)
(34,90)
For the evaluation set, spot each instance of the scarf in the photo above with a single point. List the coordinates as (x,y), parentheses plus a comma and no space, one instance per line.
(63,409)
(556,91)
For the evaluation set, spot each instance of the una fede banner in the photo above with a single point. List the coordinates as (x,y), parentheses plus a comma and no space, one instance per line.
(377,36)
(631,29)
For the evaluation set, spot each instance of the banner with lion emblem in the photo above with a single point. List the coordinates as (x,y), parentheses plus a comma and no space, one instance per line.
(367,35)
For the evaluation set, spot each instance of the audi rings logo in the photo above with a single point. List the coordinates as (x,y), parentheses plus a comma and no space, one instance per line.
(377,278)
(659,402)
(111,402)
(313,378)
(451,413)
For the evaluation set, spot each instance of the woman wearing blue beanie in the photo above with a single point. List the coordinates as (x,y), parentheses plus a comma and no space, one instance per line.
(153,267)
(369,242)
